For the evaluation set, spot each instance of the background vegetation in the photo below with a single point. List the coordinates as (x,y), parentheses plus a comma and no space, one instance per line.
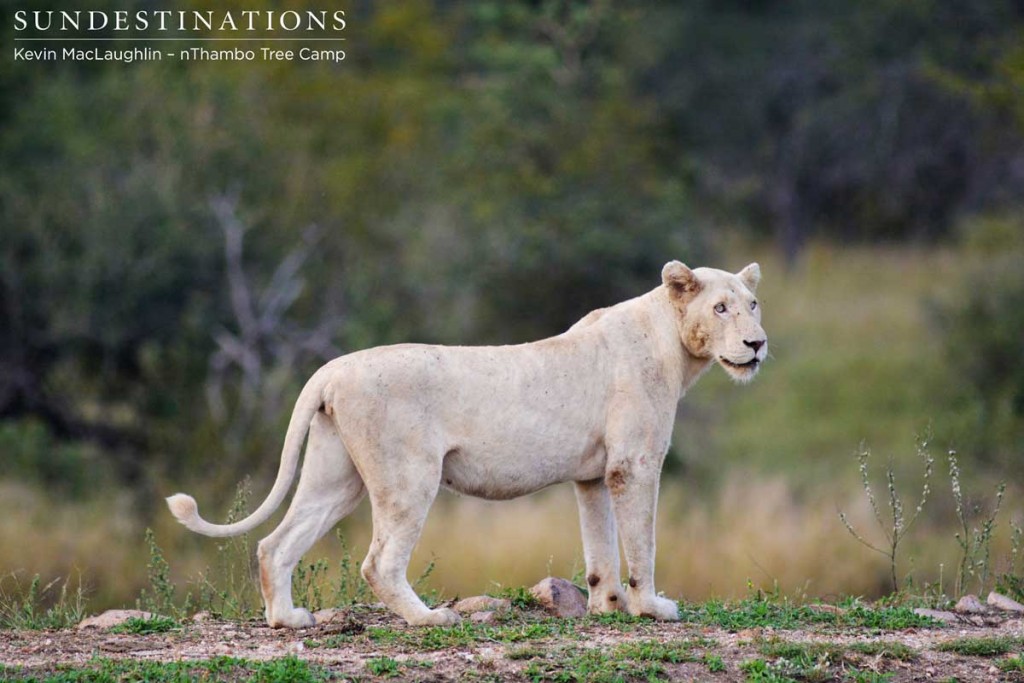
(181,245)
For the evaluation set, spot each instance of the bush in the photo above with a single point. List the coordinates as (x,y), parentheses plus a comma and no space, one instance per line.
(983,332)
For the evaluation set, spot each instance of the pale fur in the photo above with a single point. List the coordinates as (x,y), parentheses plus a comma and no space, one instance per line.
(594,406)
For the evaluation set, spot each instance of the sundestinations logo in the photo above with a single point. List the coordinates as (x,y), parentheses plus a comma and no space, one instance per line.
(185,35)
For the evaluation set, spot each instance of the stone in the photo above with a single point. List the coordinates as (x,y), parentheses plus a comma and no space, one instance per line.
(560,597)
(112,618)
(482,603)
(1004,603)
(970,604)
(937,615)
(488,617)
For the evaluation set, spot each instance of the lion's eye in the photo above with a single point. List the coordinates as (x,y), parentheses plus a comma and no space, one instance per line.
(719,308)
(753,305)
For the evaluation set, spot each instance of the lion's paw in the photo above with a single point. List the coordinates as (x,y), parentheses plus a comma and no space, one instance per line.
(608,603)
(298,617)
(436,617)
(661,609)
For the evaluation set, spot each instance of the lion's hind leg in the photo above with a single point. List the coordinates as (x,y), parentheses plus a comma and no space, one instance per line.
(329,489)
(401,499)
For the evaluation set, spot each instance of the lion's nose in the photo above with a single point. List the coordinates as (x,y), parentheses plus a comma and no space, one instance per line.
(756,344)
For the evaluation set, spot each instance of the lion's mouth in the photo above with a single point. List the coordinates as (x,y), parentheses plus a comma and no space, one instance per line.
(749,365)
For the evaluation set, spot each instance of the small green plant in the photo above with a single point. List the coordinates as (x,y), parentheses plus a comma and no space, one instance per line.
(1012,664)
(592,665)
(526,652)
(714,663)
(383,666)
(804,653)
(284,670)
(1011,583)
(350,588)
(23,608)
(232,593)
(895,524)
(161,596)
(868,677)
(982,647)
(672,651)
(975,542)
(520,597)
(142,627)
(760,671)
(887,649)
(307,584)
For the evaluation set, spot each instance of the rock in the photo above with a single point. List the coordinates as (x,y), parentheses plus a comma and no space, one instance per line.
(937,615)
(560,597)
(970,604)
(482,603)
(1004,603)
(488,617)
(112,618)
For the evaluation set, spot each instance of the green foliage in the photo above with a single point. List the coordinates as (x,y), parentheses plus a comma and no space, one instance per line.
(53,606)
(1011,664)
(520,597)
(282,670)
(781,614)
(161,597)
(672,651)
(868,677)
(982,646)
(885,649)
(1011,585)
(33,453)
(714,663)
(982,325)
(591,664)
(383,666)
(760,671)
(143,627)
(806,654)
(465,633)
(525,652)
(229,590)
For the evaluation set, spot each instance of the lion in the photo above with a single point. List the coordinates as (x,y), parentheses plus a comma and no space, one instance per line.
(594,406)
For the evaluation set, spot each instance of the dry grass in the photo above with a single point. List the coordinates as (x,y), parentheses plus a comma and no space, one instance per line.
(751,531)
(765,467)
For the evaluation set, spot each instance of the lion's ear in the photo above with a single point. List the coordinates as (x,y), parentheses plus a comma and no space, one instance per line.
(681,282)
(751,275)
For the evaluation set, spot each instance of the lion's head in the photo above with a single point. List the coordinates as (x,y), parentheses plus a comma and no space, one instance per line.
(719,316)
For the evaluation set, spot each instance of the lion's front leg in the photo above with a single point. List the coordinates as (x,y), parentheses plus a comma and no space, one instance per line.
(634,494)
(600,547)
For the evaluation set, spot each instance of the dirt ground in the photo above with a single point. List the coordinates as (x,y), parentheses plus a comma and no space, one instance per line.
(346,644)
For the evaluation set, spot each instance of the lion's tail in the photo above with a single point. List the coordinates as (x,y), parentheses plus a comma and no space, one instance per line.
(184,507)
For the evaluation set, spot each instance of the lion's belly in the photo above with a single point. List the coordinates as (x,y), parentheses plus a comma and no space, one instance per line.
(498,472)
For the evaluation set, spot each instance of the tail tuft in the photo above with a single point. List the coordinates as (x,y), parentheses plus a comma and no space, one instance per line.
(184,508)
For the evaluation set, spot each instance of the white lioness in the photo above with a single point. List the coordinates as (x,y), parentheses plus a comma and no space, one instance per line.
(594,406)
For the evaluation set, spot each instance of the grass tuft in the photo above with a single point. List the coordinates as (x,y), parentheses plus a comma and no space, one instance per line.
(886,649)
(23,608)
(143,627)
(982,647)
